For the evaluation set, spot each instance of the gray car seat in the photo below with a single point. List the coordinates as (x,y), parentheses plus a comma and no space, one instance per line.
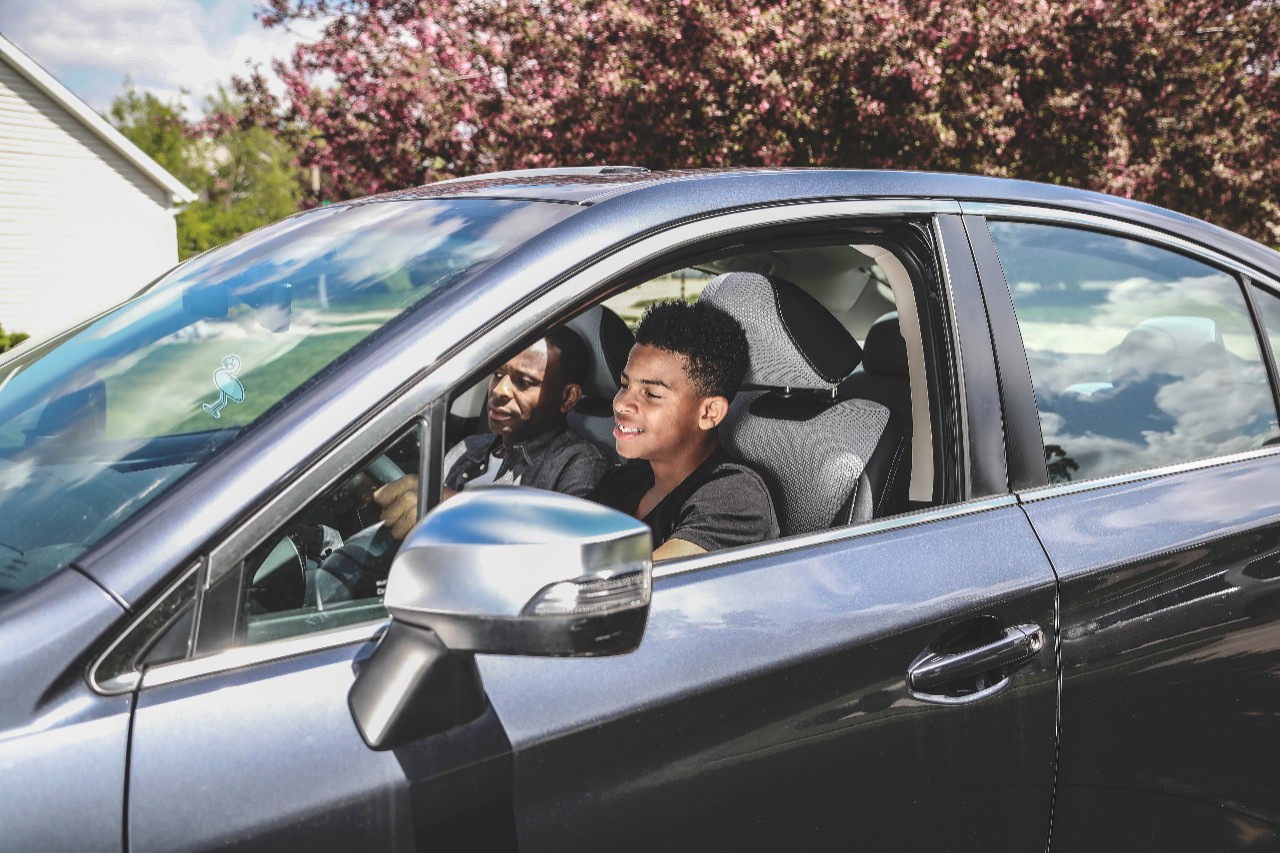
(885,379)
(608,343)
(825,457)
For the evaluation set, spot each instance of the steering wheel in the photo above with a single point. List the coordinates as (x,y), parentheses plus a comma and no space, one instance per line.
(354,571)
(383,470)
(356,568)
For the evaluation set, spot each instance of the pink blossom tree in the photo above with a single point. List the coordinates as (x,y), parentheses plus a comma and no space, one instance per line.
(1176,102)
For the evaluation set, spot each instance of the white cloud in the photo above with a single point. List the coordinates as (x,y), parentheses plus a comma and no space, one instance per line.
(163,46)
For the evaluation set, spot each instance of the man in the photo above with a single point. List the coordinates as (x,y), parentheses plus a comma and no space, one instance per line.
(685,367)
(529,442)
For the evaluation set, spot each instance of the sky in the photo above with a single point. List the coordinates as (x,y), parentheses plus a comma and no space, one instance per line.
(162,46)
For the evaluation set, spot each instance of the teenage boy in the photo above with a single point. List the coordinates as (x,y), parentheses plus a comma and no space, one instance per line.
(685,367)
(529,442)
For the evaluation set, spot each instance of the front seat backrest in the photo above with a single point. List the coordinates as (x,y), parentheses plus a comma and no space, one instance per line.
(608,343)
(810,445)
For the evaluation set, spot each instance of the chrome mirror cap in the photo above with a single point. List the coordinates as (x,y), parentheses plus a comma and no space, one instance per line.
(514,570)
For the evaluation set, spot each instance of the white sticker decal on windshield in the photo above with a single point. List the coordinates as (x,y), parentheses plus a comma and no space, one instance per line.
(229,388)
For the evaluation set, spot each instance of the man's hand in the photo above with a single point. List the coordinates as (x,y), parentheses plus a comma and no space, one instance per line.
(399,502)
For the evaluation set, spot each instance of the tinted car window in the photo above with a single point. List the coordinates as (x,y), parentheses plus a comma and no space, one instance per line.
(102,420)
(1140,357)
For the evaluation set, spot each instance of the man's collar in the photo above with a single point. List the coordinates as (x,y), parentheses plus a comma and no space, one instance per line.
(530,448)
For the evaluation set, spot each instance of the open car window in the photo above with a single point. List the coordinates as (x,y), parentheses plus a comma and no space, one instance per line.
(871,292)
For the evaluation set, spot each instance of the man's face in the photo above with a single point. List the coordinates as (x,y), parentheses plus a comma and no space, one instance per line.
(658,415)
(526,395)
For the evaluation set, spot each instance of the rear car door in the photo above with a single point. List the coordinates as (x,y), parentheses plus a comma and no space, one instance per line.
(1155,382)
(770,700)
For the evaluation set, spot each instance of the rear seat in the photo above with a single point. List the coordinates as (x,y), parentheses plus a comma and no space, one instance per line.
(883,377)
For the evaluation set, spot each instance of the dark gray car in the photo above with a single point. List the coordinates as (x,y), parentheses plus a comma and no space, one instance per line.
(1027,592)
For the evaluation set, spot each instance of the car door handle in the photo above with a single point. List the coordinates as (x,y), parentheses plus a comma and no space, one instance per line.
(1016,646)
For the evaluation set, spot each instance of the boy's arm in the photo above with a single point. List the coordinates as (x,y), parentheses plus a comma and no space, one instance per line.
(673,548)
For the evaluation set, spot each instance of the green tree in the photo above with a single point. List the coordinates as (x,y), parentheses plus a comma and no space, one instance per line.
(246,177)
(10,340)
(159,129)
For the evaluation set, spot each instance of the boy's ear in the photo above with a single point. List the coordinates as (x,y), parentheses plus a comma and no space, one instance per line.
(570,396)
(712,412)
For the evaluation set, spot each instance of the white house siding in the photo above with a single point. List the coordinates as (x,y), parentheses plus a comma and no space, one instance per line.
(80,226)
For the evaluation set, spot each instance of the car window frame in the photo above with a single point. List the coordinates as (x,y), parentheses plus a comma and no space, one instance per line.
(958,271)
(1244,274)
(1270,355)
(426,399)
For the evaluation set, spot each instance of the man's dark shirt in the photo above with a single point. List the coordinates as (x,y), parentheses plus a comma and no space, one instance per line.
(557,459)
(722,504)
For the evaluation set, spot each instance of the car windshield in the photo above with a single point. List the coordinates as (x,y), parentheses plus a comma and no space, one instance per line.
(99,421)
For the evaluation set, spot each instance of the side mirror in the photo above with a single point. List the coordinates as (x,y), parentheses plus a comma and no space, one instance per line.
(525,572)
(503,570)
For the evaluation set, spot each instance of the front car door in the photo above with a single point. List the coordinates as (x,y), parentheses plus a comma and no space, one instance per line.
(1155,384)
(238,650)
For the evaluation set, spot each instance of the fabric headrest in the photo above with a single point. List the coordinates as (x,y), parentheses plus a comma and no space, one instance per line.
(885,351)
(608,343)
(795,342)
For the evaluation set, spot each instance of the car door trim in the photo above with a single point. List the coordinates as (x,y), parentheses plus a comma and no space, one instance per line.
(983,440)
(1263,335)
(825,537)
(1024,443)
(127,681)
(1058,489)
(371,631)
(258,653)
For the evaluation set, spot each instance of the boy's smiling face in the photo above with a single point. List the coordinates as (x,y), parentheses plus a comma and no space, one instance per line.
(658,414)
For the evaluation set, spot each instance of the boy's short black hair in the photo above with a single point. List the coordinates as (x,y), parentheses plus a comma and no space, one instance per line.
(712,342)
(573,355)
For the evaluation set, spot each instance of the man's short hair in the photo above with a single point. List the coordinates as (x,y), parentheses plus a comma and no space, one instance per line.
(573,355)
(712,342)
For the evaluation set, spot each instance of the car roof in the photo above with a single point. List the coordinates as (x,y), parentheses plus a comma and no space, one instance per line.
(722,189)
(574,186)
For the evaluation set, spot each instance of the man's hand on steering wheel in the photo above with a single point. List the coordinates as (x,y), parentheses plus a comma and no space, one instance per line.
(399,502)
